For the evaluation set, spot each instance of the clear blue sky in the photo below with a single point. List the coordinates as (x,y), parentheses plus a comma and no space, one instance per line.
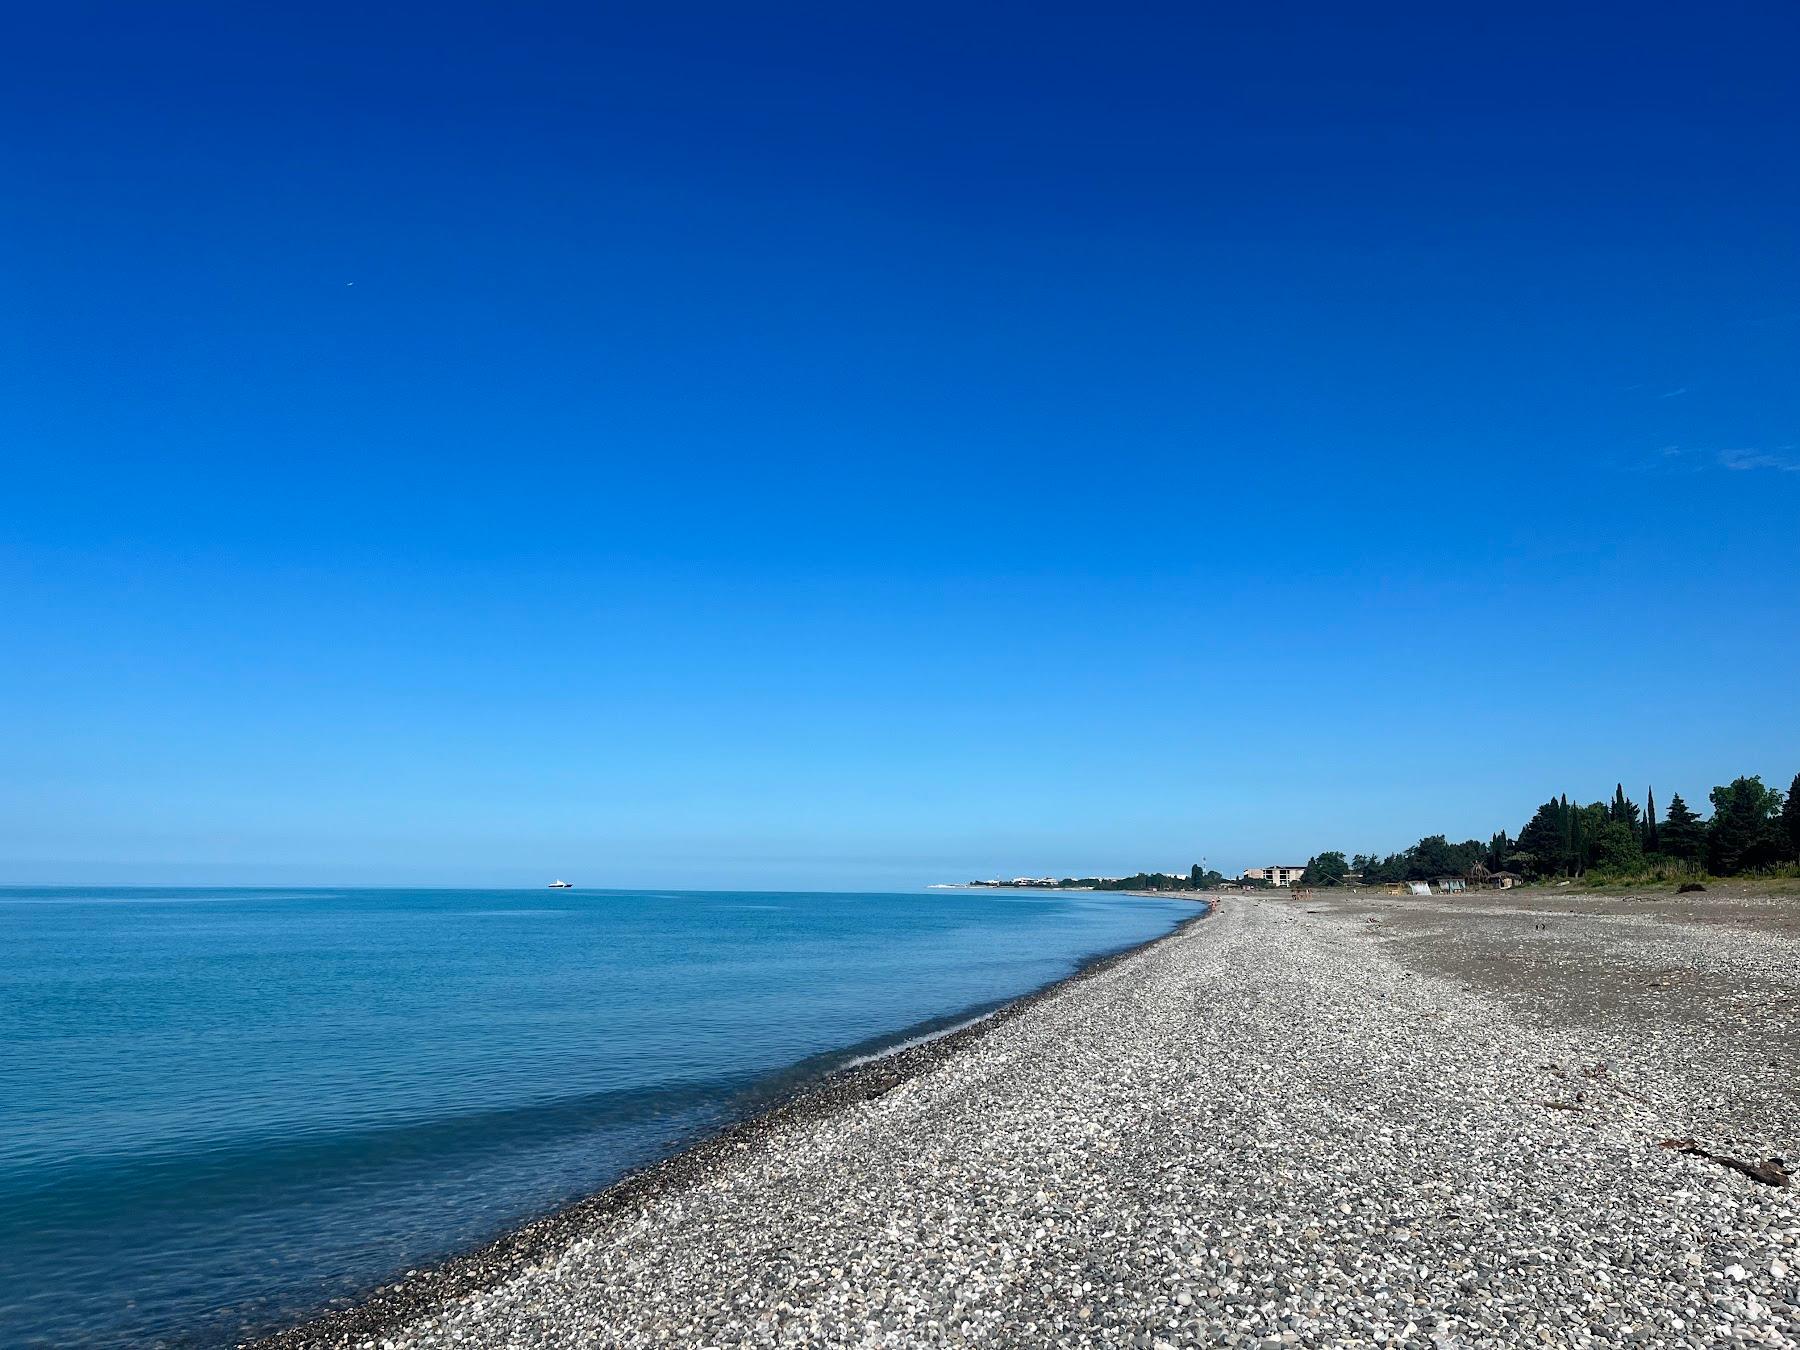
(863,446)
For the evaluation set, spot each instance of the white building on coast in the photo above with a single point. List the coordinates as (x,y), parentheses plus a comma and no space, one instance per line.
(1277,873)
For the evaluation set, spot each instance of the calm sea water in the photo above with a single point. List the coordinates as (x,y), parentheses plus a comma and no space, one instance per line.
(220,1108)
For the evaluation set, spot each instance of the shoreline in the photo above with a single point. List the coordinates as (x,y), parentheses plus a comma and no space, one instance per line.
(383,1310)
(1323,1121)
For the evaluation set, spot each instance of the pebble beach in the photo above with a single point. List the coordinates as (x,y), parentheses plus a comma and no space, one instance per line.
(1494,1120)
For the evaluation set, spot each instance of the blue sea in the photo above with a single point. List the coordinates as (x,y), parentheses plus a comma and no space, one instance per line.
(221,1108)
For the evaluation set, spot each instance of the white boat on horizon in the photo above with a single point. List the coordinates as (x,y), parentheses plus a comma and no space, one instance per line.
(560,885)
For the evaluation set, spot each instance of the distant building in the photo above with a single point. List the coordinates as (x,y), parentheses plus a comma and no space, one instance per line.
(1279,875)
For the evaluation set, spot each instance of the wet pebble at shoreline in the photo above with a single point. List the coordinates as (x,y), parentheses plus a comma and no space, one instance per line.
(1264,1131)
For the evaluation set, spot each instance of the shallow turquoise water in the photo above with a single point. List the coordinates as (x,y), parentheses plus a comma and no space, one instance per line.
(220,1108)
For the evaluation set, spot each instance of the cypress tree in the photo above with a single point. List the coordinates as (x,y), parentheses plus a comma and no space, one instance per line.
(1623,809)
(1681,834)
(1650,840)
(1577,855)
(1790,818)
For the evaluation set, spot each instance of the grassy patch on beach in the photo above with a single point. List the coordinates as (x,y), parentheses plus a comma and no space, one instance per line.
(1673,876)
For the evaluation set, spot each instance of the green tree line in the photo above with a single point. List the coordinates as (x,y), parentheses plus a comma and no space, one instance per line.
(1752,826)
(1195,880)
